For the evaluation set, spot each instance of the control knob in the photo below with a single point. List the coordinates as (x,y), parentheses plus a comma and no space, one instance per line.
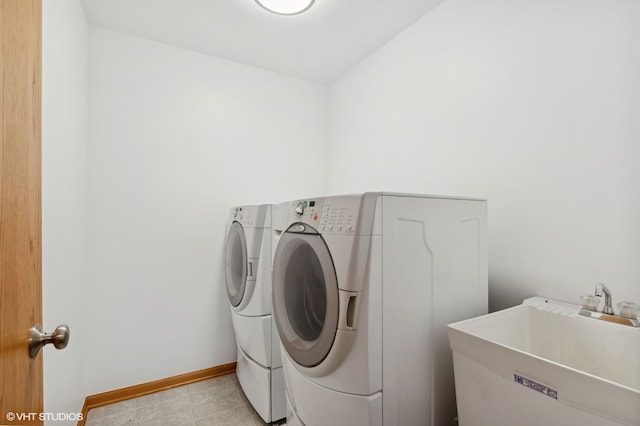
(300,209)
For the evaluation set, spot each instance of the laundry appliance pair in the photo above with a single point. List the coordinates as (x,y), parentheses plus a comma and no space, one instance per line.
(363,287)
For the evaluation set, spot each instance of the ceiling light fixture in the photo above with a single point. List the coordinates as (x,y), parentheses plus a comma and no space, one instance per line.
(286,7)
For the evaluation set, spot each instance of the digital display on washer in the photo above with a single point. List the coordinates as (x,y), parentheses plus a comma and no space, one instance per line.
(312,203)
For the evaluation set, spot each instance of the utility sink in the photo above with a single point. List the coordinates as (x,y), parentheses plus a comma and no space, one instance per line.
(542,363)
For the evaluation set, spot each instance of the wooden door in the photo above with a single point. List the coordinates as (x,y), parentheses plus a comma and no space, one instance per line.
(20,209)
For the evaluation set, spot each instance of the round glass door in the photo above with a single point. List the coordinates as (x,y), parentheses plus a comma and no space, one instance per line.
(236,263)
(305,297)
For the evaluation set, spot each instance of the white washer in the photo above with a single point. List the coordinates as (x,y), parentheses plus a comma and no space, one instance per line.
(363,288)
(248,279)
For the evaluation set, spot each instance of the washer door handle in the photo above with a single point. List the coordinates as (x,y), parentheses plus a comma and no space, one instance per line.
(348,314)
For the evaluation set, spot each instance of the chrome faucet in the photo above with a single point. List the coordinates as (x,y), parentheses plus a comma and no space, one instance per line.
(602,289)
(629,317)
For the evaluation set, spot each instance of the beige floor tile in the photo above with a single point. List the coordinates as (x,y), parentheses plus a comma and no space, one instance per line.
(160,422)
(243,397)
(174,411)
(108,410)
(237,417)
(257,420)
(118,419)
(228,391)
(218,401)
(154,398)
(212,401)
(208,384)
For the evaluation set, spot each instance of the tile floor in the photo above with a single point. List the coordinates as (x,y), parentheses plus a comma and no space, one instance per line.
(218,401)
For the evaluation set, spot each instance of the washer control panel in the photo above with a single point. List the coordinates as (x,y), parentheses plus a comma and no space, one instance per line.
(331,215)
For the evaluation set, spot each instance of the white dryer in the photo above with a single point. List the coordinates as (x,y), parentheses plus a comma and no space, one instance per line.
(248,280)
(363,288)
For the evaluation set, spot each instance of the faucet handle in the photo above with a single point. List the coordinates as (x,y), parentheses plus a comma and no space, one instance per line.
(590,302)
(628,309)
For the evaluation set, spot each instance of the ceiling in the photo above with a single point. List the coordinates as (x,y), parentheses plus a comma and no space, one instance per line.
(318,45)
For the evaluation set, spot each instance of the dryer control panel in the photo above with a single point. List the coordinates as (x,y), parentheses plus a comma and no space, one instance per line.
(251,216)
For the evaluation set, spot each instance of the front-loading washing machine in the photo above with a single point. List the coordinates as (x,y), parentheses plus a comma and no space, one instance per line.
(363,288)
(248,270)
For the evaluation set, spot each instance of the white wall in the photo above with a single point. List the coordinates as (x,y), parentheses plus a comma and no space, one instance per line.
(176,139)
(64,197)
(531,104)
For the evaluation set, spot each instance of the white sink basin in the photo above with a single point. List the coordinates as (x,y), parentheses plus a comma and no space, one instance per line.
(542,363)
